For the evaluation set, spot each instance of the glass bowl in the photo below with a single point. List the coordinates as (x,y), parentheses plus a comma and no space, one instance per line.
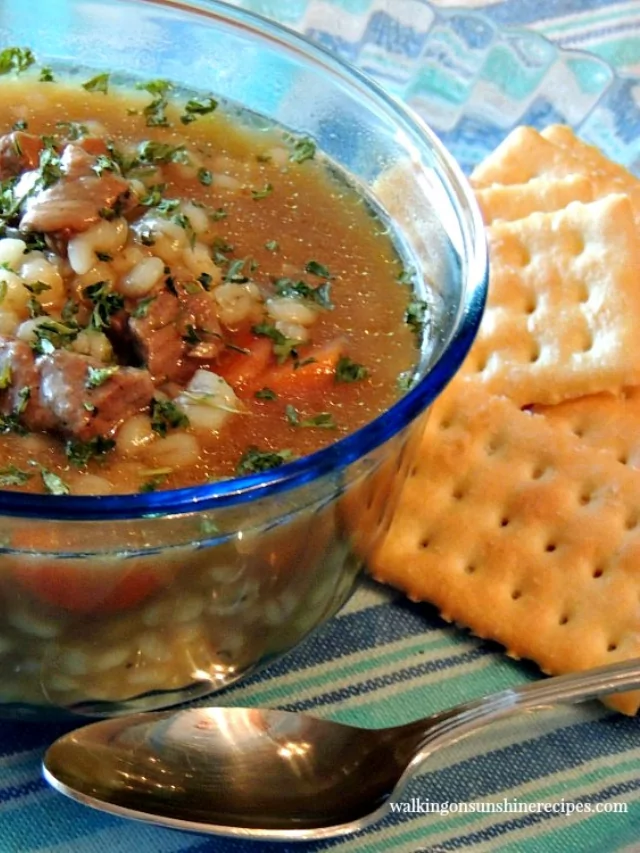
(221,578)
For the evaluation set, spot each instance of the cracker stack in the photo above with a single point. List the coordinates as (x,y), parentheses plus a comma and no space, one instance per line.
(518,509)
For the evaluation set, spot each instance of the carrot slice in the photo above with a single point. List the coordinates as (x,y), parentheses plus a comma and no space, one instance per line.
(239,368)
(86,588)
(311,376)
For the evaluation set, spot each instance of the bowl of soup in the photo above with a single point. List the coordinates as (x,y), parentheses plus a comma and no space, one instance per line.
(233,275)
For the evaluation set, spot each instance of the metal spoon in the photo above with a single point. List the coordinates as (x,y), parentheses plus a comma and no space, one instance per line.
(268,774)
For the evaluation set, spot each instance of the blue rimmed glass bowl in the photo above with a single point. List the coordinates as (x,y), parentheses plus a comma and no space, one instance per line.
(221,578)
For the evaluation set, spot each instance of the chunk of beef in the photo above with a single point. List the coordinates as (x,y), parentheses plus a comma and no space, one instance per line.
(199,321)
(158,340)
(19,372)
(74,203)
(19,152)
(87,412)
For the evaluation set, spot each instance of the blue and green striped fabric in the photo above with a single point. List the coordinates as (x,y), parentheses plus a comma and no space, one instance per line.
(384,660)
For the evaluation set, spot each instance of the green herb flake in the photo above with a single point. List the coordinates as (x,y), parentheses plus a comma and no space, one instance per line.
(209,528)
(406,277)
(283,347)
(349,371)
(317,269)
(406,381)
(303,149)
(21,124)
(73,130)
(272,245)
(52,334)
(35,309)
(97,376)
(196,107)
(265,394)
(205,177)
(320,295)
(235,272)
(103,163)
(79,453)
(154,153)
(254,460)
(265,192)
(205,280)
(46,75)
(415,315)
(153,483)
(166,415)
(142,308)
(23,399)
(323,420)
(53,484)
(105,303)
(37,287)
(6,376)
(12,476)
(218,214)
(99,83)
(16,59)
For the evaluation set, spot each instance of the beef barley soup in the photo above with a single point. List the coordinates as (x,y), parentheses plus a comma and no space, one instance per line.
(185,295)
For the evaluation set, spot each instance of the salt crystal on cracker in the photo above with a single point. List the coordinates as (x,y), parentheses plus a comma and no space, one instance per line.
(608,422)
(524,155)
(516,201)
(519,532)
(563,306)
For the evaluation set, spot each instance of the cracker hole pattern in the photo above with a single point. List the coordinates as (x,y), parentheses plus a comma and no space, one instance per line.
(516,594)
(563,619)
(612,647)
(538,472)
(458,493)
(550,547)
(470,569)
(597,572)
(425,543)
(623,457)
(505,522)
(631,522)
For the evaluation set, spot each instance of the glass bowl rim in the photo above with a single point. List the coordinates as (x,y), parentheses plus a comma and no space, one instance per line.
(342,453)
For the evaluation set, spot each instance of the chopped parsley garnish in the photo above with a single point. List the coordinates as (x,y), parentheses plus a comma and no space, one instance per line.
(37,287)
(324,420)
(254,460)
(142,308)
(272,246)
(35,308)
(197,107)
(205,280)
(103,163)
(166,415)
(283,346)
(235,271)
(46,75)
(6,375)
(265,394)
(205,177)
(52,334)
(153,483)
(191,335)
(105,303)
(155,112)
(99,83)
(12,476)
(415,315)
(3,290)
(208,527)
(266,191)
(49,168)
(52,483)
(406,277)
(11,423)
(152,153)
(97,376)
(218,214)
(406,380)
(23,399)
(79,453)
(302,149)
(318,269)
(21,124)
(16,59)
(301,290)
(349,371)
(73,130)
(154,195)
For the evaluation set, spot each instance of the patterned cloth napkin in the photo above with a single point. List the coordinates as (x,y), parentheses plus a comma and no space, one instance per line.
(384,660)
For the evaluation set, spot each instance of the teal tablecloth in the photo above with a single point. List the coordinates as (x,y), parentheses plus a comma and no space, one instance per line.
(384,660)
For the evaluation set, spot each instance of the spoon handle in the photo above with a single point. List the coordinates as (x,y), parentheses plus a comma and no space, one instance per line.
(452,725)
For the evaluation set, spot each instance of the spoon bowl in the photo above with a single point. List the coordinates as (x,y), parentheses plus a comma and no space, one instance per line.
(270,774)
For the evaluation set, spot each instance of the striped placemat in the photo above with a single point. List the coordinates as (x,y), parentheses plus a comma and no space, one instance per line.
(383,660)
